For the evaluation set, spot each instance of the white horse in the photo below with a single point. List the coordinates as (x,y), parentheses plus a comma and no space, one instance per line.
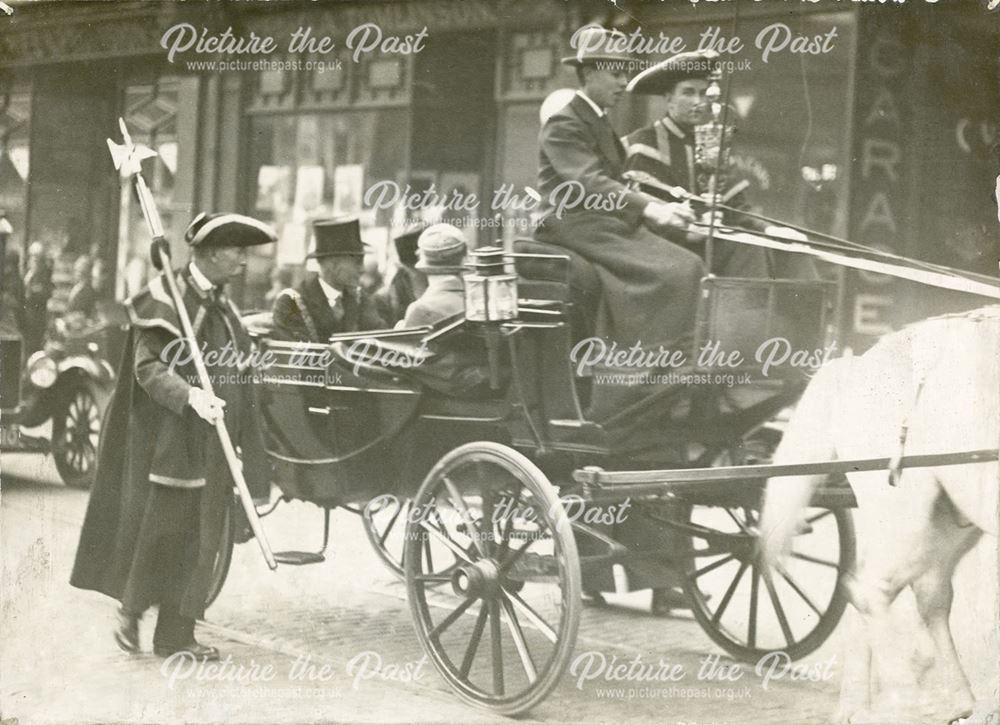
(942,377)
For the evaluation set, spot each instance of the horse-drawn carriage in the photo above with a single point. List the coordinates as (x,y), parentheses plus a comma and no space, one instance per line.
(467,452)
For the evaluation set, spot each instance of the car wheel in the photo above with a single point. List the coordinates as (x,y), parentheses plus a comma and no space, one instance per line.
(76,429)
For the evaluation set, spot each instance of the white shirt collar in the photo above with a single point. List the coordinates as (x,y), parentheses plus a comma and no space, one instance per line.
(332,293)
(199,278)
(597,109)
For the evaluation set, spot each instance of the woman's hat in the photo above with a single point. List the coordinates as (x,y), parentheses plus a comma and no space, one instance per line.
(338,236)
(228,230)
(662,77)
(442,249)
(594,44)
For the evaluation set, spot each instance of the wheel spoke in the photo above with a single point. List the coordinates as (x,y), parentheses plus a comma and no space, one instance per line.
(729,593)
(450,619)
(752,624)
(388,528)
(786,629)
(711,567)
(522,646)
(444,539)
(814,560)
(515,555)
(743,526)
(457,499)
(497,649)
(798,590)
(427,554)
(477,635)
(534,617)
(822,514)
(501,551)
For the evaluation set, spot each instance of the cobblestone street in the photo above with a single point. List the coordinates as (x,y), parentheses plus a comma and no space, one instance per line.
(332,642)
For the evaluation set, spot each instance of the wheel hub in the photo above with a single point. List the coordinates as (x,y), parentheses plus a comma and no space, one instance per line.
(481,579)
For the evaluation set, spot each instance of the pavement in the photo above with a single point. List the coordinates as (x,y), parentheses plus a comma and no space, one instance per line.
(334,642)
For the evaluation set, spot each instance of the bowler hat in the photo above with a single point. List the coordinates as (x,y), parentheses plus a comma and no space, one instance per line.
(662,77)
(594,44)
(406,245)
(228,230)
(339,236)
(442,249)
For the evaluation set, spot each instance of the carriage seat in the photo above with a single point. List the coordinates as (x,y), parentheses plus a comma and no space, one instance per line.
(579,286)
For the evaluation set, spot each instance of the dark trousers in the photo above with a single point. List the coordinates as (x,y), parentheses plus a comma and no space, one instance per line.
(165,558)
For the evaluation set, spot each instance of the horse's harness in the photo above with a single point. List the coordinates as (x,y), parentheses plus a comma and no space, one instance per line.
(922,363)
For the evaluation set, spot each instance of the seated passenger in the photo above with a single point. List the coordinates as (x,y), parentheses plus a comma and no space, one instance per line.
(408,283)
(442,249)
(333,301)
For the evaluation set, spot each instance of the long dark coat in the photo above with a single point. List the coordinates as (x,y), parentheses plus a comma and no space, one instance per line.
(649,285)
(142,437)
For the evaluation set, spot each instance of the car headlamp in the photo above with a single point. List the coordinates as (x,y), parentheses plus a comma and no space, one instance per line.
(42,370)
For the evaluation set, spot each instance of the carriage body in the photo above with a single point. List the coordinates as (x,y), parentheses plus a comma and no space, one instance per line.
(469,419)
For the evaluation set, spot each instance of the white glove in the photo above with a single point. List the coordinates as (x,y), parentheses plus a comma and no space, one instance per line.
(207,406)
(786,233)
(668,214)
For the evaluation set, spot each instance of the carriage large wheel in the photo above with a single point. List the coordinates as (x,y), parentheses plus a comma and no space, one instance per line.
(750,609)
(503,629)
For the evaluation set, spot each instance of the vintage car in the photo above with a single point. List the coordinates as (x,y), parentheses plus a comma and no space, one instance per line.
(69,382)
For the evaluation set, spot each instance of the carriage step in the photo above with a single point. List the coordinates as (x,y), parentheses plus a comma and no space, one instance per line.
(298,558)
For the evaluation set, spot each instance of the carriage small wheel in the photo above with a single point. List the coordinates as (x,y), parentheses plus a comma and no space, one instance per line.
(502,629)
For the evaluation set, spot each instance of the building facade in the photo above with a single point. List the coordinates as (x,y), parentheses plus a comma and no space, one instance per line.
(398,110)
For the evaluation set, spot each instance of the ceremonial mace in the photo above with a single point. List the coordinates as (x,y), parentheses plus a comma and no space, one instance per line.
(127,158)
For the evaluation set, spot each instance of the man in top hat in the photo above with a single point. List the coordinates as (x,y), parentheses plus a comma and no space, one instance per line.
(333,301)
(649,285)
(154,525)
(663,154)
(442,250)
(408,283)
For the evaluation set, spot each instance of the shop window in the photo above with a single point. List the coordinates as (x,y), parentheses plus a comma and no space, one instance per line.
(15,112)
(311,166)
(150,112)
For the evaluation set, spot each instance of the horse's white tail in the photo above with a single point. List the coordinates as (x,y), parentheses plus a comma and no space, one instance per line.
(807,439)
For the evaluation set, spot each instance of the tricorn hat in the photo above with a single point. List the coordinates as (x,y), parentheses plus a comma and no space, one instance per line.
(406,245)
(228,230)
(339,236)
(594,44)
(662,77)
(442,249)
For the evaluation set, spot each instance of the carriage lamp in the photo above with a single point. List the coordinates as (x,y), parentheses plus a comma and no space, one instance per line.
(709,138)
(490,292)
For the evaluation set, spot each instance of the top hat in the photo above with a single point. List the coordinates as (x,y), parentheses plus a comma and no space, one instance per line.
(442,249)
(339,236)
(406,245)
(595,44)
(228,230)
(662,77)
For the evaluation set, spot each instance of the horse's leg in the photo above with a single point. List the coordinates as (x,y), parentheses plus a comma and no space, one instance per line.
(855,679)
(934,594)
(904,552)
